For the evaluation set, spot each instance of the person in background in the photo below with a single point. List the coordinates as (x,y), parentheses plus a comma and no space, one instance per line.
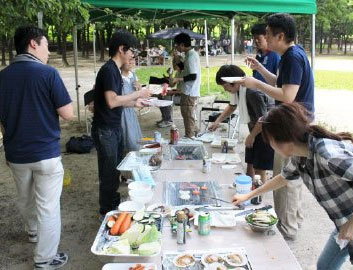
(258,154)
(190,83)
(32,97)
(129,122)
(324,161)
(106,127)
(295,82)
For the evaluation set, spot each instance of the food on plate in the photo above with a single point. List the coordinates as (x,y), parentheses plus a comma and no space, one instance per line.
(119,247)
(116,227)
(138,216)
(153,145)
(185,196)
(148,249)
(234,259)
(126,224)
(261,218)
(155,160)
(211,258)
(204,187)
(184,260)
(111,221)
(139,234)
(139,266)
(216,266)
(196,192)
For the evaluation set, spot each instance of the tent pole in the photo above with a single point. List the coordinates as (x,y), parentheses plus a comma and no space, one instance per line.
(312,41)
(207,63)
(94,50)
(74,35)
(232,39)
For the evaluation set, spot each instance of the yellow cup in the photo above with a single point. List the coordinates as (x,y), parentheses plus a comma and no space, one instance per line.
(67,178)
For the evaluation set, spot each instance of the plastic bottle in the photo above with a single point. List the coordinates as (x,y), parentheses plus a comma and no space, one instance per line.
(243,184)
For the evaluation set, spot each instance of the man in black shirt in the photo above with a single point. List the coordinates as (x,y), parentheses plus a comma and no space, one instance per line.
(106,126)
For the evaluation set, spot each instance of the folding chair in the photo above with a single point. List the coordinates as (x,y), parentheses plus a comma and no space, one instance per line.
(88,98)
(143,59)
(216,112)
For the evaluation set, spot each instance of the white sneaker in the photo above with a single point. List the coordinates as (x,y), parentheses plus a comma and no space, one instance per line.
(165,124)
(32,238)
(59,261)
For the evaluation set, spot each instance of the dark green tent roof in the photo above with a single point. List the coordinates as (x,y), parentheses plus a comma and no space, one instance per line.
(161,9)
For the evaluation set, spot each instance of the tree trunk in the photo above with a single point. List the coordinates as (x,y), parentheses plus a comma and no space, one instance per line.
(59,48)
(109,28)
(3,50)
(87,43)
(10,50)
(101,44)
(321,27)
(63,56)
(83,37)
(345,44)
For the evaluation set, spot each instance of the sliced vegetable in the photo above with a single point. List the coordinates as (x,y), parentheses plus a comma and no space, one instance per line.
(110,222)
(138,215)
(126,224)
(149,249)
(116,227)
(119,247)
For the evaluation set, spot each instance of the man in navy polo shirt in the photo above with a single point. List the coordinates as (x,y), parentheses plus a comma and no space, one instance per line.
(295,82)
(32,96)
(106,126)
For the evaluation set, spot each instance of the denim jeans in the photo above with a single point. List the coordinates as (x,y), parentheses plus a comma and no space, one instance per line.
(332,257)
(109,145)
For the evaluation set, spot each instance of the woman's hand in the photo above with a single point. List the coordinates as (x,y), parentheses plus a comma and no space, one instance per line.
(249,82)
(346,230)
(240,198)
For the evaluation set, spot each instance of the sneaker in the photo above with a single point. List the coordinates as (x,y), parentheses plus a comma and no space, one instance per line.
(59,261)
(164,124)
(32,237)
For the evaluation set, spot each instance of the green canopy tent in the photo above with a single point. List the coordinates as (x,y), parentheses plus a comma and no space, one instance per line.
(163,10)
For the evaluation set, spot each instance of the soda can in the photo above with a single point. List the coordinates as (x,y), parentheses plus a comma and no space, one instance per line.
(204,222)
(157,136)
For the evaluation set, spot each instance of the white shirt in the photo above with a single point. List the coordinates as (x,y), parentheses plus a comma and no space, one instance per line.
(191,66)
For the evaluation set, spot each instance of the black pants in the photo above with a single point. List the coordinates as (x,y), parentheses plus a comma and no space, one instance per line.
(109,145)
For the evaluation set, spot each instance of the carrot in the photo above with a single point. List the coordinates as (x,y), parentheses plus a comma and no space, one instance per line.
(111,221)
(115,229)
(126,224)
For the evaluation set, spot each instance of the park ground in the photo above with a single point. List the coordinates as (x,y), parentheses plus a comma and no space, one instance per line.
(79,200)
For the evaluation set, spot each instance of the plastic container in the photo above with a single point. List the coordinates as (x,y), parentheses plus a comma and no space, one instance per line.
(243,184)
(142,196)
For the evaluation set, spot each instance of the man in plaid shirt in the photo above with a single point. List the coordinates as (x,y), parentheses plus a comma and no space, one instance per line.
(325,163)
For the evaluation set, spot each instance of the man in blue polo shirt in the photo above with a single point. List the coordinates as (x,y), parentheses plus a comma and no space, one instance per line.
(295,82)
(32,96)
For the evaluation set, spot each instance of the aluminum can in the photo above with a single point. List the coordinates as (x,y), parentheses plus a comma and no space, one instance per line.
(204,222)
(157,136)
(174,135)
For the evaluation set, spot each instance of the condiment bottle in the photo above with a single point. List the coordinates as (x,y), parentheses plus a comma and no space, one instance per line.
(181,227)
(225,147)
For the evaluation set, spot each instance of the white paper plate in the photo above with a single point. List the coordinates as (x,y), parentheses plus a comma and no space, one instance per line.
(244,260)
(232,79)
(158,102)
(131,206)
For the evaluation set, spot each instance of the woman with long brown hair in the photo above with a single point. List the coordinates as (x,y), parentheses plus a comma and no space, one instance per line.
(324,161)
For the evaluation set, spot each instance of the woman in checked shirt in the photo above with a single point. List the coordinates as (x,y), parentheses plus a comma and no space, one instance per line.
(324,162)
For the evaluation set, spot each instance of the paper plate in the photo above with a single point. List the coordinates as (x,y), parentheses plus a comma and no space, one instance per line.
(232,79)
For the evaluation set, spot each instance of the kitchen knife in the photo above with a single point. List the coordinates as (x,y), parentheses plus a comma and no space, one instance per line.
(267,207)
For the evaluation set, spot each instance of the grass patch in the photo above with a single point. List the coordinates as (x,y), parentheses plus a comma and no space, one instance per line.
(334,80)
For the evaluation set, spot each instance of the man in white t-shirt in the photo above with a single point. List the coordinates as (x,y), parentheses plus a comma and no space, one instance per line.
(189,83)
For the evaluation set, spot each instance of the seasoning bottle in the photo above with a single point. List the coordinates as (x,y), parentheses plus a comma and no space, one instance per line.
(255,184)
(225,147)
(174,135)
(181,227)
